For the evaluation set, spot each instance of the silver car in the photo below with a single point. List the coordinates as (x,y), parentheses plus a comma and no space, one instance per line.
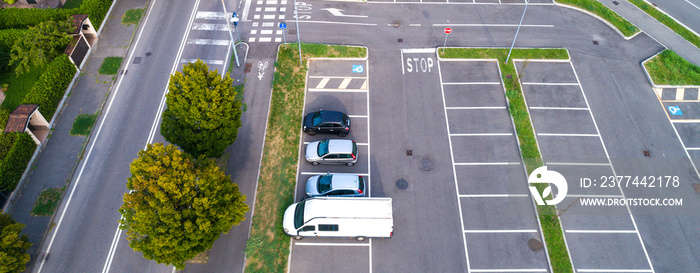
(332,151)
(341,185)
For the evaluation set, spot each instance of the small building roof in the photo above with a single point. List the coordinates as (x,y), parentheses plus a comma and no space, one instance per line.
(78,20)
(20,118)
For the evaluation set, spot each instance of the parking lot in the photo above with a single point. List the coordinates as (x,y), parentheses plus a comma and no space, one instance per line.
(682,105)
(600,239)
(497,214)
(337,85)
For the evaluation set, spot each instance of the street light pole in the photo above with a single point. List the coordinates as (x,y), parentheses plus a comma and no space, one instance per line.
(228,25)
(296,15)
(516,32)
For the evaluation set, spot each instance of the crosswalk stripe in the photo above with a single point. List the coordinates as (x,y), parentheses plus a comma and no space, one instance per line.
(209,62)
(345,83)
(210,15)
(202,26)
(265,39)
(266,32)
(323,83)
(207,42)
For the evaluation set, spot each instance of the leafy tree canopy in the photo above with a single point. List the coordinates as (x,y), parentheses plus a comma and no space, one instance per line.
(13,246)
(41,44)
(177,205)
(203,114)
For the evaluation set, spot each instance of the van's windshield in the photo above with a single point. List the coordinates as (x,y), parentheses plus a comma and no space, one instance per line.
(299,215)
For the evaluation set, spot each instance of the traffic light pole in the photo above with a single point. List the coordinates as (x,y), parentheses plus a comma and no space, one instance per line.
(230,33)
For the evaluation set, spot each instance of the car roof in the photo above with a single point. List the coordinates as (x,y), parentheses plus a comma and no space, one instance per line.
(339,146)
(344,181)
(333,116)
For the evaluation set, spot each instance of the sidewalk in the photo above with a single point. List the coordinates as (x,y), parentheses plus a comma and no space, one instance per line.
(55,165)
(656,30)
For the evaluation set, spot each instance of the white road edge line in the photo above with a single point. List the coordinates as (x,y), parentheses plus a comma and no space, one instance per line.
(605,149)
(501,231)
(558,108)
(337,90)
(485,163)
(330,244)
(97,134)
(454,170)
(331,22)
(488,25)
(577,164)
(615,270)
(468,83)
(475,107)
(598,231)
(484,134)
(509,270)
(550,83)
(568,135)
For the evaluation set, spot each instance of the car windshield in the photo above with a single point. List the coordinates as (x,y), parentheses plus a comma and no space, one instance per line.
(323,148)
(299,214)
(324,183)
(316,118)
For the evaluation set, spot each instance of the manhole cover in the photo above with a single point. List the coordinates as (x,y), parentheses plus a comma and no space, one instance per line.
(696,187)
(148,54)
(535,245)
(409,152)
(137,60)
(292,32)
(400,40)
(402,184)
(615,3)
(247,67)
(396,24)
(426,164)
(595,42)
(647,153)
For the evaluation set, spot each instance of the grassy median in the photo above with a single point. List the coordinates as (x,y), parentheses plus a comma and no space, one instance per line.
(551,228)
(267,248)
(625,27)
(668,21)
(668,68)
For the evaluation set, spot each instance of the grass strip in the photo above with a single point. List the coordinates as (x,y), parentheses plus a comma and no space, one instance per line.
(267,248)
(668,21)
(625,27)
(47,201)
(83,124)
(132,16)
(668,68)
(19,86)
(110,65)
(551,228)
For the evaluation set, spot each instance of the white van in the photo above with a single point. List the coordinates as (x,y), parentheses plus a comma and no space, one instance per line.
(358,218)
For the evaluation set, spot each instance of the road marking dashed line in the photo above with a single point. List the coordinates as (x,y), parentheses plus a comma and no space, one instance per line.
(208,42)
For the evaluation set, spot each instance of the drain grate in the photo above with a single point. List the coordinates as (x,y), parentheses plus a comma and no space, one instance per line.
(247,67)
(400,40)
(696,187)
(647,153)
(615,3)
(148,54)
(137,60)
(402,184)
(535,245)
(595,42)
(409,152)
(292,32)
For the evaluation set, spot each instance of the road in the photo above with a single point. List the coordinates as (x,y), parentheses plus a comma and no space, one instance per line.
(447,218)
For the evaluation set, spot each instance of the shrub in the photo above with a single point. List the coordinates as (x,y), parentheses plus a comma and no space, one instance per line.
(49,89)
(9,36)
(16,159)
(4,116)
(24,18)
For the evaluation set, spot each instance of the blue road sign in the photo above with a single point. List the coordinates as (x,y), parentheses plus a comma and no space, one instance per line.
(675,110)
(283,25)
(357,68)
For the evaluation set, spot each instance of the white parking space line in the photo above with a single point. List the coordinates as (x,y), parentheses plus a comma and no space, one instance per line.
(203,26)
(357,116)
(343,77)
(599,231)
(476,108)
(360,144)
(559,108)
(692,148)
(319,173)
(344,84)
(685,120)
(501,231)
(418,50)
(322,83)
(337,90)
(484,134)
(330,244)
(568,135)
(207,42)
(509,270)
(488,25)
(550,83)
(209,62)
(471,83)
(492,195)
(614,270)
(486,163)
(577,164)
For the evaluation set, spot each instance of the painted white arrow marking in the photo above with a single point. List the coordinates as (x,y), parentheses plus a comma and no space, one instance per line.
(260,75)
(337,12)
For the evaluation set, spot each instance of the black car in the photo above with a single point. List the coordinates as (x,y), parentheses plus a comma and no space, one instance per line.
(327,122)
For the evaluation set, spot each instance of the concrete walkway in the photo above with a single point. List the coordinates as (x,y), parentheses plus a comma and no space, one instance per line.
(656,30)
(55,165)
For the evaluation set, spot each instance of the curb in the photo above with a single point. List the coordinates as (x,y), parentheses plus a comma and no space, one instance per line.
(603,20)
(654,85)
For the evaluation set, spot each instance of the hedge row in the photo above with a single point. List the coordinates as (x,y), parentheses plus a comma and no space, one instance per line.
(51,86)
(14,163)
(4,116)
(22,18)
(9,36)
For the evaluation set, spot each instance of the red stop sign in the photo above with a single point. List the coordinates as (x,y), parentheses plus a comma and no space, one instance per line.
(448,30)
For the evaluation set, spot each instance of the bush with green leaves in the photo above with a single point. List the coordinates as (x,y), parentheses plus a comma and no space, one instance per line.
(13,245)
(8,37)
(22,18)
(96,10)
(51,86)
(177,206)
(203,113)
(16,158)
(41,44)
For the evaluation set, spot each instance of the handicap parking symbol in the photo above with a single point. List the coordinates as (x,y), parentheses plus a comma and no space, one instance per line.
(675,110)
(357,68)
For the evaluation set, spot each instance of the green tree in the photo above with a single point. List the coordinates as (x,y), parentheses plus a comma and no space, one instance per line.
(13,246)
(41,44)
(203,114)
(177,205)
